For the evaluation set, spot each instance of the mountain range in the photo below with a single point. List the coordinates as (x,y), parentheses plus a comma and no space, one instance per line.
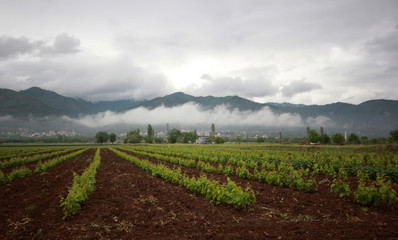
(376,117)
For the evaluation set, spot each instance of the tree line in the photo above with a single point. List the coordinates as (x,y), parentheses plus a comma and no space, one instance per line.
(177,136)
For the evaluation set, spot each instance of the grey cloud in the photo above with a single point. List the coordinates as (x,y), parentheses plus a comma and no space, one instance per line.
(387,43)
(102,79)
(299,86)
(251,87)
(63,44)
(11,47)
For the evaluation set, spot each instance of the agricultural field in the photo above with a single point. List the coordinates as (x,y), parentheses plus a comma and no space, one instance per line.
(229,191)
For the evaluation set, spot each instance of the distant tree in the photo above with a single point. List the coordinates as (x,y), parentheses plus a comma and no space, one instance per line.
(338,138)
(322,132)
(364,140)
(394,135)
(314,136)
(159,140)
(219,140)
(134,136)
(260,139)
(150,134)
(325,139)
(308,133)
(353,139)
(213,130)
(112,137)
(190,137)
(175,134)
(238,139)
(101,137)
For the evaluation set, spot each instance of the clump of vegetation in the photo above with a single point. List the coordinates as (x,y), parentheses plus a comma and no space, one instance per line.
(340,185)
(374,193)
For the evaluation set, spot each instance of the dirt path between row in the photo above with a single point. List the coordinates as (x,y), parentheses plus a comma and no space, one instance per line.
(29,207)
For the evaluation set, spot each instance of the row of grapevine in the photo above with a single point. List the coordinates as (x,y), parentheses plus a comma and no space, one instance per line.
(82,186)
(385,164)
(19,152)
(376,193)
(369,192)
(230,193)
(15,174)
(28,159)
(41,167)
(285,175)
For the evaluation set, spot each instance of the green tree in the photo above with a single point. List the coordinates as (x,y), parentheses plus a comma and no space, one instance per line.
(394,135)
(325,139)
(112,137)
(314,136)
(353,139)
(101,137)
(175,134)
(150,134)
(190,137)
(219,140)
(364,140)
(213,130)
(338,138)
(134,136)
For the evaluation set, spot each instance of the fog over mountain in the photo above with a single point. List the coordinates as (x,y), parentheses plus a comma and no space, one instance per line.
(42,110)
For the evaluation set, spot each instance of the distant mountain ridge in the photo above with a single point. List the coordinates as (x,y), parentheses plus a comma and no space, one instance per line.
(209,102)
(374,116)
(39,102)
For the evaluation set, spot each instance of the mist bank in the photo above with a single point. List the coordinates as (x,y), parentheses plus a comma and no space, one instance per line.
(188,116)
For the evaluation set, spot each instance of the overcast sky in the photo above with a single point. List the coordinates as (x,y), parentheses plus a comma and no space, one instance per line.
(308,51)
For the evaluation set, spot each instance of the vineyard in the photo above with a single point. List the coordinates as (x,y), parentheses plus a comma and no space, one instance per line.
(241,191)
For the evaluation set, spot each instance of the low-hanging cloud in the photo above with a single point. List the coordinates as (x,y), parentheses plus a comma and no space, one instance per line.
(192,114)
(320,121)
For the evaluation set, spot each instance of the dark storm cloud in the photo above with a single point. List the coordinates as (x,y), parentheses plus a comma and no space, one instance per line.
(11,47)
(299,86)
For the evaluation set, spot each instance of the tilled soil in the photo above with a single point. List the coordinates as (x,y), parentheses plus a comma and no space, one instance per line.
(128,203)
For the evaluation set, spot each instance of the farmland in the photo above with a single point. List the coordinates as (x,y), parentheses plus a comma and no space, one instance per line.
(243,191)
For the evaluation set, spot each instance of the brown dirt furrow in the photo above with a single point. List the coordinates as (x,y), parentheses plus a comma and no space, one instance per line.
(29,206)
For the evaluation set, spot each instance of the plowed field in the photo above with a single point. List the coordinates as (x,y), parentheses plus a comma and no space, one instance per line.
(128,203)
